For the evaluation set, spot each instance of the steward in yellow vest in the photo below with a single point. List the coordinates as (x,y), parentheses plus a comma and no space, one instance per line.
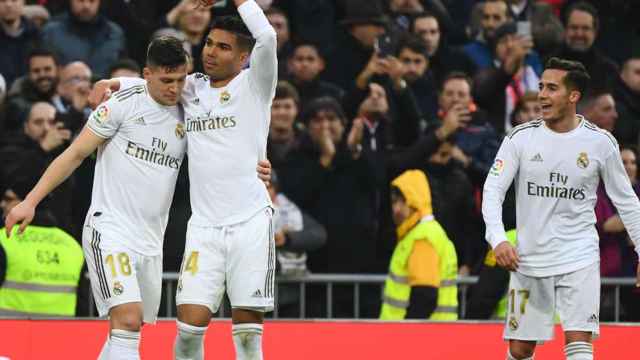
(39,269)
(422,274)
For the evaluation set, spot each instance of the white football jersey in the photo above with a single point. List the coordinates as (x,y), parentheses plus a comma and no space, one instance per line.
(556,178)
(227,129)
(136,169)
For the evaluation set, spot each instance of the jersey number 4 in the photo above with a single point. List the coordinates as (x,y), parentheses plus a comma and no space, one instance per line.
(192,263)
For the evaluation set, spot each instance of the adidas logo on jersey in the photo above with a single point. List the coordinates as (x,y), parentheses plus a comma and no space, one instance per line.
(139,121)
(593,319)
(537,158)
(257,294)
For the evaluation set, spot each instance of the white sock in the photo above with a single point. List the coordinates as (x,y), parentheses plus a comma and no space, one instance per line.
(510,357)
(123,345)
(247,339)
(578,350)
(189,342)
(104,354)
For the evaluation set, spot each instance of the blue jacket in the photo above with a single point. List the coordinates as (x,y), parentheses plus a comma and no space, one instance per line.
(482,56)
(98,43)
(13,57)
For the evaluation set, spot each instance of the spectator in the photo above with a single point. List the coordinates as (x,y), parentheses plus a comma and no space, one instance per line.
(290,240)
(402,11)
(443,58)
(18,35)
(193,23)
(85,35)
(421,281)
(494,14)
(305,65)
(600,109)
(331,178)
(295,234)
(476,140)
(278,19)
(453,205)
(546,28)
(37,278)
(582,25)
(125,68)
(312,21)
(627,96)
(73,90)
(412,52)
(38,14)
(630,296)
(284,132)
(527,109)
(42,138)
(353,50)
(617,257)
(499,88)
(39,85)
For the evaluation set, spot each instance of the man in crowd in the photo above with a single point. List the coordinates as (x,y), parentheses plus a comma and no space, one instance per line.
(582,24)
(39,85)
(600,109)
(284,132)
(304,68)
(84,34)
(17,36)
(627,95)
(443,58)
(43,137)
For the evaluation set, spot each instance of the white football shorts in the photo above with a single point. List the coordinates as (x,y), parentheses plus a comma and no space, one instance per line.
(238,258)
(534,301)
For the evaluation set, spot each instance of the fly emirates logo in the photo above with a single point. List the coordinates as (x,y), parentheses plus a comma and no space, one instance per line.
(555,189)
(210,122)
(155,155)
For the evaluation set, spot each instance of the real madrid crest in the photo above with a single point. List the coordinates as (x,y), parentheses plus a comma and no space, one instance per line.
(180,130)
(513,324)
(118,288)
(583,160)
(224,97)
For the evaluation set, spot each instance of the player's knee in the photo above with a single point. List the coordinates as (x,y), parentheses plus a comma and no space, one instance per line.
(521,350)
(126,317)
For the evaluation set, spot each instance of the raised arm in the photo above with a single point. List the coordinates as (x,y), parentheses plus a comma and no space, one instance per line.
(264,61)
(59,170)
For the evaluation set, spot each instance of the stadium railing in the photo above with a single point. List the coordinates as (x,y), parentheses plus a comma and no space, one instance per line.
(170,280)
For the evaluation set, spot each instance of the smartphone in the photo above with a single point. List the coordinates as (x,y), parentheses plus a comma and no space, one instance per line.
(524,28)
(384,46)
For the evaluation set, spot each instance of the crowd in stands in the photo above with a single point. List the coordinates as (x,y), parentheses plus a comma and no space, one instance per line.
(368,89)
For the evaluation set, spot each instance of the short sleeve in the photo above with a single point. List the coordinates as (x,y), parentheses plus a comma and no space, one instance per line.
(106,119)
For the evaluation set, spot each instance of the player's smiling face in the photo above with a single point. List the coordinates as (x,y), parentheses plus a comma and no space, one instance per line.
(554,96)
(222,57)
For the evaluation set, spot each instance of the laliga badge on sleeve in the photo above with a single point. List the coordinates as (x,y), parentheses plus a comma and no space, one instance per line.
(497,167)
